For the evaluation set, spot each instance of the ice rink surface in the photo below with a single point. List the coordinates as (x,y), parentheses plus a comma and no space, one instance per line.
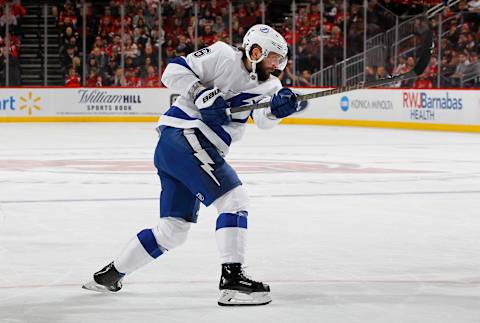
(345,224)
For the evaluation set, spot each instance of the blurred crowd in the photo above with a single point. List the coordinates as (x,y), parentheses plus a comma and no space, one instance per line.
(143,39)
(148,48)
(459,48)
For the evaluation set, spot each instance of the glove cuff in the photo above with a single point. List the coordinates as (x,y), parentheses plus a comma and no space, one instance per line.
(196,90)
(207,97)
(269,114)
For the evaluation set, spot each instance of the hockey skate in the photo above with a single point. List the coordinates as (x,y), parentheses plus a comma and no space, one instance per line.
(106,280)
(237,289)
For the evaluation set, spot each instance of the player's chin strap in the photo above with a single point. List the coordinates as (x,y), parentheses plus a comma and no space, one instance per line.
(253,73)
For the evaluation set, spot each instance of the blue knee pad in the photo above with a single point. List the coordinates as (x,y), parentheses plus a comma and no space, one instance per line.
(232,220)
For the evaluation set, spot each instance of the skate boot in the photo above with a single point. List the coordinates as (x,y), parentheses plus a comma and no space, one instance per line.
(108,279)
(237,289)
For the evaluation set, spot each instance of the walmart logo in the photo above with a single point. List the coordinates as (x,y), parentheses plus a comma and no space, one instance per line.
(7,103)
(30,104)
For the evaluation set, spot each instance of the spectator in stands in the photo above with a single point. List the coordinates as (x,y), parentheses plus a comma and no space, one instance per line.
(237,37)
(143,68)
(453,33)
(132,79)
(410,63)
(472,44)
(18,11)
(130,65)
(13,67)
(131,49)
(107,22)
(139,37)
(109,74)
(402,65)
(423,82)
(462,42)
(65,37)
(305,79)
(219,26)
(169,54)
(67,57)
(7,18)
(77,65)
(472,72)
(432,69)
(152,79)
(370,73)
(184,45)
(139,16)
(119,78)
(148,53)
(72,79)
(92,65)
(93,79)
(380,73)
(208,36)
(460,69)
(151,15)
(474,6)
(206,20)
(100,57)
(99,42)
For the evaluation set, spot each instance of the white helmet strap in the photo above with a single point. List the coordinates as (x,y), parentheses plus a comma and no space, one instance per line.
(253,73)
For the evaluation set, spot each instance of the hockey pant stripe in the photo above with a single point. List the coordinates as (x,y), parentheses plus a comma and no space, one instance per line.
(147,239)
(232,220)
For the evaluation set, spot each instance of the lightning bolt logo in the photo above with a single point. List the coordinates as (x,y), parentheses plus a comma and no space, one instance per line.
(206,162)
(200,154)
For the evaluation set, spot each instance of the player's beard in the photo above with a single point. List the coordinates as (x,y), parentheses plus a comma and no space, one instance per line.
(262,73)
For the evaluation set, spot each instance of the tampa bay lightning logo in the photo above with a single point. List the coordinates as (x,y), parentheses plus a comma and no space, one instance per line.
(264,29)
(344,104)
(242,99)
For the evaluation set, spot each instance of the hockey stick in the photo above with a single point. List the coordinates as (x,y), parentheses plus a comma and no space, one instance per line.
(417,70)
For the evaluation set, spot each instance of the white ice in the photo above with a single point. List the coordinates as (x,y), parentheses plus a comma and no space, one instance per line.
(345,224)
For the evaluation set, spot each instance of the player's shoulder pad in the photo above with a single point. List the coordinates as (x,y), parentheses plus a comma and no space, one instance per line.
(224,49)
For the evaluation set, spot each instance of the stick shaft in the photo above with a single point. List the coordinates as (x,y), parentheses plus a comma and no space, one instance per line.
(337,90)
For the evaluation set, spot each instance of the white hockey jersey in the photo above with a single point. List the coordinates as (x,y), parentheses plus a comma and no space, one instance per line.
(219,65)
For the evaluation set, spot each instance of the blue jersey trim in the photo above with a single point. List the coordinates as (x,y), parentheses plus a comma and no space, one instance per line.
(231,220)
(148,241)
(181,61)
(176,112)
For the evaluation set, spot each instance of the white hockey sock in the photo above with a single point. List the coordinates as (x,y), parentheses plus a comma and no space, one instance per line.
(140,251)
(231,236)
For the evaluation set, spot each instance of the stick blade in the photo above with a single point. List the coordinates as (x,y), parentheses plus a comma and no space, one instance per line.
(425,53)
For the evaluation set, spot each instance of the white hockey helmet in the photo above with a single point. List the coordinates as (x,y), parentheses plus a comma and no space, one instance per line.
(269,40)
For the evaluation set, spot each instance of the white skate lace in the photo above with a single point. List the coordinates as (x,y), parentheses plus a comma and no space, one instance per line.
(247,276)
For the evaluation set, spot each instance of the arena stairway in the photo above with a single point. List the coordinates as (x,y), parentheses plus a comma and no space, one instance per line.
(32,49)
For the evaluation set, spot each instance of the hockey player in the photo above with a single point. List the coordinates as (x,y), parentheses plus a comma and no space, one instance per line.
(195,135)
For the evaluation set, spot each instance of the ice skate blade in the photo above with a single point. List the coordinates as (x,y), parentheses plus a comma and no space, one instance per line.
(230,297)
(92,285)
